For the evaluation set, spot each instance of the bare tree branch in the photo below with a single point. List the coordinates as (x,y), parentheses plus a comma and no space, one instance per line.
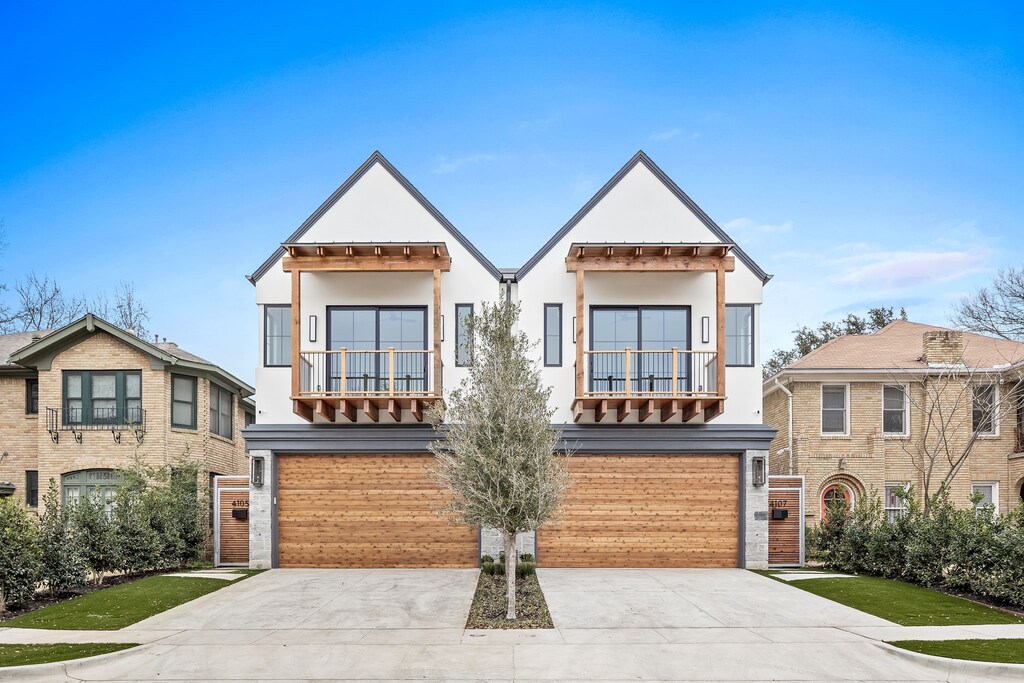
(997,310)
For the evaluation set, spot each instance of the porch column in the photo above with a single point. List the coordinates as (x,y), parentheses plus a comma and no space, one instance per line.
(296,329)
(579,332)
(720,332)
(437,331)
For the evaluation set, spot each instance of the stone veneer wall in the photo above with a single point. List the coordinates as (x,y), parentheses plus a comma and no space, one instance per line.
(755,512)
(261,515)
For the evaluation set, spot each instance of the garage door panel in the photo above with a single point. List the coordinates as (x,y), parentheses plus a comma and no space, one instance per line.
(366,511)
(646,511)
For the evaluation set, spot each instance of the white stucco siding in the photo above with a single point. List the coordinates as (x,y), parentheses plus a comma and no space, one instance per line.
(377,208)
(640,209)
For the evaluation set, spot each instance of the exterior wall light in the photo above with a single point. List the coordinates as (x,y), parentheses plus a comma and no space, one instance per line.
(705,330)
(312,328)
(256,476)
(759,470)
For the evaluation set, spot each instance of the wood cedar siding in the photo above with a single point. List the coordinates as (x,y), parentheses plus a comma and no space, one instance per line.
(366,511)
(784,535)
(646,511)
(233,534)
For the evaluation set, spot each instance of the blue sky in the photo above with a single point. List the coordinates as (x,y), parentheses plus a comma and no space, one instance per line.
(864,155)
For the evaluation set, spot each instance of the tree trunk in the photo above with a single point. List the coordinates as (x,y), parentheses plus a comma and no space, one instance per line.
(510,573)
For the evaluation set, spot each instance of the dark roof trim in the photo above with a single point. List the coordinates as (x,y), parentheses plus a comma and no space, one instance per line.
(375,158)
(641,157)
(582,439)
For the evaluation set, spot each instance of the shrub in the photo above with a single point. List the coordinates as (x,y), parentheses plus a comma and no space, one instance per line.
(526,557)
(524,569)
(96,532)
(486,559)
(19,554)
(135,542)
(62,563)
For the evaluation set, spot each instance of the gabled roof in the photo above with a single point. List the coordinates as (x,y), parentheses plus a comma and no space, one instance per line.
(375,158)
(642,158)
(42,350)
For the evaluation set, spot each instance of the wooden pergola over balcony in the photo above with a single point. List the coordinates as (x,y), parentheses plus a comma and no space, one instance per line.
(662,381)
(321,384)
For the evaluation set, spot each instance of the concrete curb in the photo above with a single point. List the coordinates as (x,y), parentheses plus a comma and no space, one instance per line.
(960,670)
(37,671)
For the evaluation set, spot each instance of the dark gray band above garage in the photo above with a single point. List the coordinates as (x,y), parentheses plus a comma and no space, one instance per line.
(594,439)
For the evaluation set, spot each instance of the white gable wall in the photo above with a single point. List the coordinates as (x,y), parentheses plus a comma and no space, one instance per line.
(377,208)
(640,209)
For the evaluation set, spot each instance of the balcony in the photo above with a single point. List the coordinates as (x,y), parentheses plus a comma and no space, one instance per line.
(78,421)
(667,382)
(349,381)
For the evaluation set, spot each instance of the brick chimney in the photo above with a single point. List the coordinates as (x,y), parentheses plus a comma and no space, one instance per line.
(943,347)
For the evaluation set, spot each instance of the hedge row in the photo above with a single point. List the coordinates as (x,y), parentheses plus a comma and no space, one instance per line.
(970,550)
(157,521)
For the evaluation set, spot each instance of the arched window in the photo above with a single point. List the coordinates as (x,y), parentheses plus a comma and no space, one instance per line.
(76,485)
(833,495)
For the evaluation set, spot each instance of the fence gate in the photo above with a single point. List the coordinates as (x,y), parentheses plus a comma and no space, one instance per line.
(231,521)
(785,521)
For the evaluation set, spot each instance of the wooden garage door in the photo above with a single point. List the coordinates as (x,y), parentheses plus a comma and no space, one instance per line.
(647,511)
(365,511)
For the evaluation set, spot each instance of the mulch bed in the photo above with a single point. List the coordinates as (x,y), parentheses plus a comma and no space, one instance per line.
(44,599)
(489,604)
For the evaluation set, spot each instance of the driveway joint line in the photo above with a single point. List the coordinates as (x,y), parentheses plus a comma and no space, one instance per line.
(685,599)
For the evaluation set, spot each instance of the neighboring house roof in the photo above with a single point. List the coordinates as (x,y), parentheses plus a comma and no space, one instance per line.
(9,343)
(375,158)
(641,158)
(898,345)
(40,352)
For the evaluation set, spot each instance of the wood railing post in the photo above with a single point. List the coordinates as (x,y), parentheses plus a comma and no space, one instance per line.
(391,370)
(343,383)
(628,387)
(675,371)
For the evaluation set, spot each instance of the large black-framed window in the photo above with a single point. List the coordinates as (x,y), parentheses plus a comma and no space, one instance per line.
(221,405)
(463,339)
(553,335)
(32,488)
(375,329)
(277,335)
(653,329)
(32,396)
(183,401)
(99,397)
(739,335)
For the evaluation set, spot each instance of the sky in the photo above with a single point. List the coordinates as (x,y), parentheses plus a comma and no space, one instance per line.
(865,154)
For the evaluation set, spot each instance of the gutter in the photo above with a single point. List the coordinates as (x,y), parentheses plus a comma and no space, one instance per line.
(789,400)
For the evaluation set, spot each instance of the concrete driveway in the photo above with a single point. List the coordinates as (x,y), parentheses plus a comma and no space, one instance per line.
(655,625)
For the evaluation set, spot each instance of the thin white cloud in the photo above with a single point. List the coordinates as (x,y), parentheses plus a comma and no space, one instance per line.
(749,230)
(452,164)
(909,268)
(663,135)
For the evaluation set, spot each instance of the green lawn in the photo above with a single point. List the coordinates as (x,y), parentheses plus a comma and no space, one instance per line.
(903,603)
(20,655)
(113,608)
(1004,650)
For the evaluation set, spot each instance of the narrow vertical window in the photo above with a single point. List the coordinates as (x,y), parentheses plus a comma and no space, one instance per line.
(552,334)
(983,410)
(183,402)
(894,410)
(463,339)
(221,404)
(833,409)
(32,396)
(895,503)
(739,335)
(32,488)
(277,335)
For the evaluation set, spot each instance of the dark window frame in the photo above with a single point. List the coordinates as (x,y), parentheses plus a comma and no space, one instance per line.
(120,396)
(220,392)
(288,357)
(753,335)
(376,332)
(32,396)
(32,488)
(194,402)
(547,361)
(458,337)
(640,308)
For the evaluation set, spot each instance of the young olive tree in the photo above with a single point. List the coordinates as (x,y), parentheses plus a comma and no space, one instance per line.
(497,455)
(19,554)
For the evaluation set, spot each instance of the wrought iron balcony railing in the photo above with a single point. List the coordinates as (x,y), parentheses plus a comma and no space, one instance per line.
(78,420)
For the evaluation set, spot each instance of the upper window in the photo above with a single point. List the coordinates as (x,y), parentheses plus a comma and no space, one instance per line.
(552,334)
(989,495)
(739,335)
(32,396)
(102,397)
(463,339)
(834,409)
(983,409)
(183,401)
(220,411)
(367,333)
(894,410)
(277,335)
(650,332)
(895,504)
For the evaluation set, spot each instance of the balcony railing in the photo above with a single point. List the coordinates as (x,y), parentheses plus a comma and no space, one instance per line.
(79,420)
(1018,441)
(366,374)
(674,373)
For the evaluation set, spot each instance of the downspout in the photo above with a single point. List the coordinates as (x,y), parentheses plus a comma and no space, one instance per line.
(789,399)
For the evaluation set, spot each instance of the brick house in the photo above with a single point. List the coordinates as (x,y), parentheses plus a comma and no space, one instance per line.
(846,422)
(80,402)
